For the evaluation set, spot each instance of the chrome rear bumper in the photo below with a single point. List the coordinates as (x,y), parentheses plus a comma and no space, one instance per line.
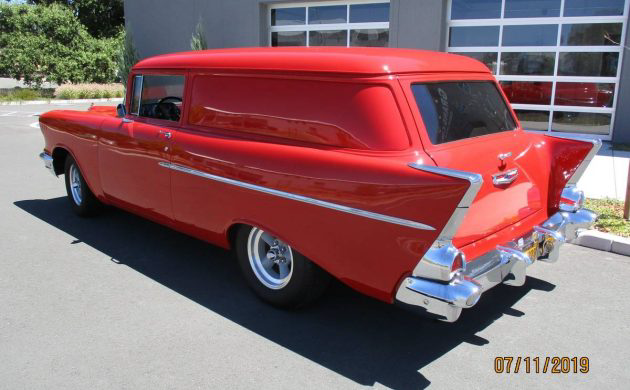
(506,264)
(48,162)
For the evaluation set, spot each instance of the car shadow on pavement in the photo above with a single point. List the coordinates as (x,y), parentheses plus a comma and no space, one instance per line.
(364,340)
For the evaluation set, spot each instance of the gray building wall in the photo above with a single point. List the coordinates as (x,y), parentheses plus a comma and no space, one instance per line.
(418,24)
(166,26)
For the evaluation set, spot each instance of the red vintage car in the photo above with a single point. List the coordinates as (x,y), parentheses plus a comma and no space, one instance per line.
(402,173)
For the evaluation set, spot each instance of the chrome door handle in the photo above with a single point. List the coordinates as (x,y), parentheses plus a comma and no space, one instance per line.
(127,120)
(166,134)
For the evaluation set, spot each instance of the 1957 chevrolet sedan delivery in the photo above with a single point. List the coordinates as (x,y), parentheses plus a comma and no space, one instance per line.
(403,173)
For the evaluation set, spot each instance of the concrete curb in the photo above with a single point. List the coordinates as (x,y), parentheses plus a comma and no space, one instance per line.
(604,242)
(54,101)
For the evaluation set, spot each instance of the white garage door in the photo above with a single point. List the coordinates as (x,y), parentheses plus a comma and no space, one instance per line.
(330,23)
(558,61)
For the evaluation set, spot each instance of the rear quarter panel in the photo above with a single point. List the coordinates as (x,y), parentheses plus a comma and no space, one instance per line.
(369,255)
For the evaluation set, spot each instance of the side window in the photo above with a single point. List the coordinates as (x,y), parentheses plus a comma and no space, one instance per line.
(158,96)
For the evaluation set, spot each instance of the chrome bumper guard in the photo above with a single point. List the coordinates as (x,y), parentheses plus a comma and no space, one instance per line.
(48,162)
(506,264)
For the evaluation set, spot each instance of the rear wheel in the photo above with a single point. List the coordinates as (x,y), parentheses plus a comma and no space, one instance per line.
(277,272)
(82,200)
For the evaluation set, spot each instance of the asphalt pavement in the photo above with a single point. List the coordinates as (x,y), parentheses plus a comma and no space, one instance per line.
(119,302)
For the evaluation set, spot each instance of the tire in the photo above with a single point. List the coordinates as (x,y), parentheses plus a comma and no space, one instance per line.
(82,200)
(277,273)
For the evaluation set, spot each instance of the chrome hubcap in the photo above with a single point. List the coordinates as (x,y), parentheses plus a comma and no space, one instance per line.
(75,184)
(270,259)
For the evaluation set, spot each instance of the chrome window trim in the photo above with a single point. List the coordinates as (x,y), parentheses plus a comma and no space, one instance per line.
(299,198)
(137,113)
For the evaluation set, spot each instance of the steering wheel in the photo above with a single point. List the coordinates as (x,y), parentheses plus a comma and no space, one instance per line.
(168,98)
(167,112)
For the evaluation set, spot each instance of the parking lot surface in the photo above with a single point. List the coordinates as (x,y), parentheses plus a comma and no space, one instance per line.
(120,302)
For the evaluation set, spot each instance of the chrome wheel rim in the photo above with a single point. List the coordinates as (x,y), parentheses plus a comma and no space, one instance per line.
(271,259)
(75,184)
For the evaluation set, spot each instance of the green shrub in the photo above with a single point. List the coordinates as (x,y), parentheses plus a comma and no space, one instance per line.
(39,42)
(198,39)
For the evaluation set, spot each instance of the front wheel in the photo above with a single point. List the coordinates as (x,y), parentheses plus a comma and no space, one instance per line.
(277,272)
(82,200)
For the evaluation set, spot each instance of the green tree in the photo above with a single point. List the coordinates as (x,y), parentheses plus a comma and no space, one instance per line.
(102,18)
(198,40)
(127,56)
(40,43)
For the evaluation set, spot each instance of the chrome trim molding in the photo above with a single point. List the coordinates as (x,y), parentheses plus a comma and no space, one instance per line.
(475,179)
(506,264)
(437,263)
(48,162)
(140,85)
(300,198)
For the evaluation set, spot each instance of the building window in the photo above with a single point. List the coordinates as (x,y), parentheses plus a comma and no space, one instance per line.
(330,23)
(558,61)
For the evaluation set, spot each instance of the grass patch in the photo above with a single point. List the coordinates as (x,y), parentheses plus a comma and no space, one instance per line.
(23,94)
(610,212)
(66,91)
(89,91)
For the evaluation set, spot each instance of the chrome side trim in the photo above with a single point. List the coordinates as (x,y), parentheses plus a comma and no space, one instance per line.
(597,144)
(48,162)
(300,198)
(437,263)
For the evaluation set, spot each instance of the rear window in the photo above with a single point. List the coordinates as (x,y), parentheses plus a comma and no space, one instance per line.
(456,110)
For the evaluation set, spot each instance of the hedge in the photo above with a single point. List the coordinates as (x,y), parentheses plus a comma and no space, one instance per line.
(48,43)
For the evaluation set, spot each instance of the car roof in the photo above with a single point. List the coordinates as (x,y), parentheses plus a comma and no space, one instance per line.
(354,60)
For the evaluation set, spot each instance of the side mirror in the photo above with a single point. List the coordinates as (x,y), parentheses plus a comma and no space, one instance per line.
(120,110)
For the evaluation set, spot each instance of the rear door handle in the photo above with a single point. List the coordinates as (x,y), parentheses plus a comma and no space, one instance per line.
(166,134)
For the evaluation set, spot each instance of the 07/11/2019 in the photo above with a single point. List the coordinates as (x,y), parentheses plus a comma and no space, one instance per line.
(537,365)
